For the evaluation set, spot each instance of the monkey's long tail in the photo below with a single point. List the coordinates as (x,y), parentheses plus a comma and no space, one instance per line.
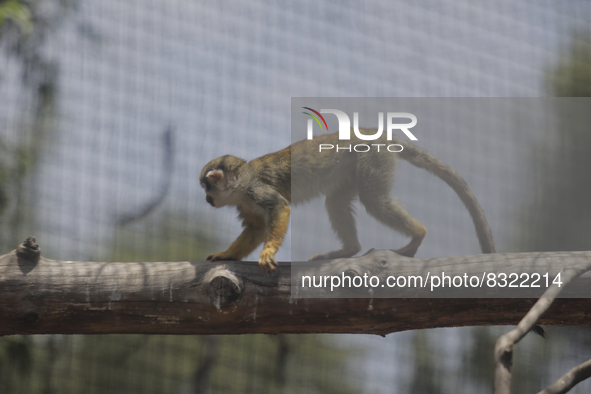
(423,159)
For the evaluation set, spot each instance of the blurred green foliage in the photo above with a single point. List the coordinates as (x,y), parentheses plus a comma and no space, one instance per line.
(171,364)
(559,215)
(17,12)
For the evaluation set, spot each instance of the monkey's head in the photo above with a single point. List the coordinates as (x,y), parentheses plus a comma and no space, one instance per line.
(217,178)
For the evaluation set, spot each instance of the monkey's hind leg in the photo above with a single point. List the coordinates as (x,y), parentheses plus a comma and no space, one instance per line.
(340,212)
(389,212)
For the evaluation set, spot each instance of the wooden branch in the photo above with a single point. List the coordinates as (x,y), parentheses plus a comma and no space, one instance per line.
(42,296)
(506,342)
(570,379)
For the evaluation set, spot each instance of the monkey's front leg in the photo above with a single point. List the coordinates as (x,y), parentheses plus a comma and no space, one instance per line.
(277,230)
(246,242)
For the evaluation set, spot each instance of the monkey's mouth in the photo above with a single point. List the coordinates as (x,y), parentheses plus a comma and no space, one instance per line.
(210,200)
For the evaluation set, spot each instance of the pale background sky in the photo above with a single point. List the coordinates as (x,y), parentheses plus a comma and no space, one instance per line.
(223,74)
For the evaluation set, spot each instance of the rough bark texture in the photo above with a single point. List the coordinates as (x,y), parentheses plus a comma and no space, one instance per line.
(42,296)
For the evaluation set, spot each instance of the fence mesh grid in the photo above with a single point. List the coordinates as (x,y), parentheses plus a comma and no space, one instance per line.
(109,110)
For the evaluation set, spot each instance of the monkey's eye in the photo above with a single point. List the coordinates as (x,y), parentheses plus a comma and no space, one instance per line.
(206,186)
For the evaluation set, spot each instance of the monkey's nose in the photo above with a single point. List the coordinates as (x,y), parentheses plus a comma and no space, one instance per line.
(210,200)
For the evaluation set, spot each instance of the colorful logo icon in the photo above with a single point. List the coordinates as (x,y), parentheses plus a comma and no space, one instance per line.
(315,118)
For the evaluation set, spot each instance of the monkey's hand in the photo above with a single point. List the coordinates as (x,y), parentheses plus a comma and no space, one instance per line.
(221,256)
(267,261)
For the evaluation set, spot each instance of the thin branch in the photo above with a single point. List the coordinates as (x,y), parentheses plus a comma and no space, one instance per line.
(506,343)
(165,179)
(570,379)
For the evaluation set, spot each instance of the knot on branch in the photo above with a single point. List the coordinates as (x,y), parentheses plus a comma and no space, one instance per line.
(351,273)
(28,254)
(224,288)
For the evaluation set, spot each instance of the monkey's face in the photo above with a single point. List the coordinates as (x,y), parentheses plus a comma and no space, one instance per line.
(212,182)
(217,178)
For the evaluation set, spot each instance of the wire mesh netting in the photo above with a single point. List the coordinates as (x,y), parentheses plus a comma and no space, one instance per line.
(109,110)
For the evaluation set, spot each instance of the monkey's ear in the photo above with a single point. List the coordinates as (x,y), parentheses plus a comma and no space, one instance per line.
(215,176)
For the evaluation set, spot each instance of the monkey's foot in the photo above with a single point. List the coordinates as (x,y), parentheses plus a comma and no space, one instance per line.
(267,261)
(335,254)
(221,256)
(411,249)
(406,251)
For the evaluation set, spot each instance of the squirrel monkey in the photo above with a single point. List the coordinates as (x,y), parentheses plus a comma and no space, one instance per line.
(262,191)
